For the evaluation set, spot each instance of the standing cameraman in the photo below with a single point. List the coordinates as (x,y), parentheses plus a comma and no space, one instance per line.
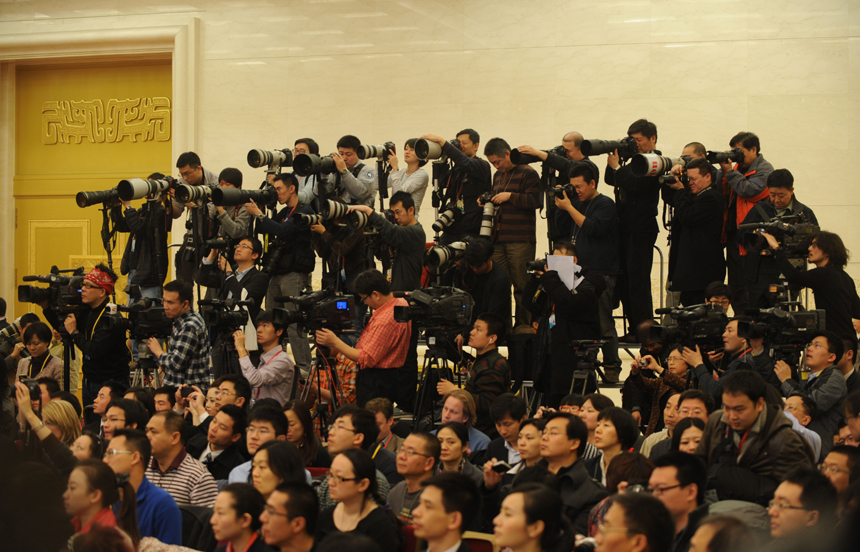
(307,184)
(486,282)
(100,338)
(234,223)
(354,182)
(290,258)
(245,283)
(468,181)
(412,178)
(198,225)
(187,362)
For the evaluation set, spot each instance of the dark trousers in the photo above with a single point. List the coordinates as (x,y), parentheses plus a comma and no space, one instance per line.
(737,279)
(407,375)
(376,382)
(634,280)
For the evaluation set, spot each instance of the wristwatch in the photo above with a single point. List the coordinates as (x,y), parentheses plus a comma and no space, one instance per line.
(261,216)
(344,172)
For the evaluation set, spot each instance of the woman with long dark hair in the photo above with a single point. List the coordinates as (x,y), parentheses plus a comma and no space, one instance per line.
(301,433)
(532,520)
(276,462)
(352,482)
(236,519)
(616,432)
(688,433)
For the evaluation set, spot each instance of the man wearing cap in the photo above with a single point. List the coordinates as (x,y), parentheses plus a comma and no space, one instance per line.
(95,331)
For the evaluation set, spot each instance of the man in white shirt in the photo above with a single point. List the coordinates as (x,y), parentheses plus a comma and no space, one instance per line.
(443,529)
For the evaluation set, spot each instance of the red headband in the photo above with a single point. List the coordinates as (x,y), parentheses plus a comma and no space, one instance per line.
(101,279)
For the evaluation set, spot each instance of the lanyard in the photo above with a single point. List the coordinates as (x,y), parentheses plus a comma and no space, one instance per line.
(47,356)
(376,451)
(743,439)
(97,323)
(273,357)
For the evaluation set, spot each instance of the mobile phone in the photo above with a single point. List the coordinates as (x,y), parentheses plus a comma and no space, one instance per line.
(186,391)
(501,466)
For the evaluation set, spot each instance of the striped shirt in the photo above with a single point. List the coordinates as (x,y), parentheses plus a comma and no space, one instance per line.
(515,218)
(188,359)
(187,480)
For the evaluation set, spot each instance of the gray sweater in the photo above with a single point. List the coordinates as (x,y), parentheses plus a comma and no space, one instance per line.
(408,244)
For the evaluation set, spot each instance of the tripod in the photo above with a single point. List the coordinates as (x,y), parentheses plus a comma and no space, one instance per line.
(144,369)
(587,367)
(435,368)
(322,410)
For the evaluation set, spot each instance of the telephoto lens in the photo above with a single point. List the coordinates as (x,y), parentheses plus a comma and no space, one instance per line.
(86,199)
(356,220)
(447,217)
(599,147)
(427,150)
(649,164)
(307,164)
(273,159)
(331,209)
(304,221)
(137,188)
(191,194)
(518,158)
(380,152)
(736,155)
(532,266)
(488,217)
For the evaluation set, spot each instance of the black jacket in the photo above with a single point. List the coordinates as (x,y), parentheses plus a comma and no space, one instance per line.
(491,292)
(255,282)
(696,229)
(496,449)
(562,223)
(576,317)
(292,251)
(469,178)
(636,198)
(148,227)
(828,390)
(221,466)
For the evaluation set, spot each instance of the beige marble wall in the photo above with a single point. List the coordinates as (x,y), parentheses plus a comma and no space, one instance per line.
(528,71)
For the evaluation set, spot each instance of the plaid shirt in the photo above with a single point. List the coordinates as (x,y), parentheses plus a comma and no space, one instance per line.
(346,371)
(384,342)
(188,359)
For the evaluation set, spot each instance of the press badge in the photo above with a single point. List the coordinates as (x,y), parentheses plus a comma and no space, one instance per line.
(552,321)
(460,205)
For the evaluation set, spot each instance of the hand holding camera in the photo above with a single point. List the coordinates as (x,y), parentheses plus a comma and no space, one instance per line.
(338,161)
(613,159)
(252,209)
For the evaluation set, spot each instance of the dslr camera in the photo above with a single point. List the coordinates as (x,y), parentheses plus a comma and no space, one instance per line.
(561,190)
(626,147)
(670,178)
(701,325)
(380,152)
(63,293)
(448,215)
(224,197)
(735,155)
(488,218)
(436,308)
(307,164)
(317,310)
(127,190)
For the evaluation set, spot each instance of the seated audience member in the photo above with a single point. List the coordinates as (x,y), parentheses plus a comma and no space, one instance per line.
(236,519)
(383,344)
(825,385)
(102,538)
(61,419)
(300,432)
(459,406)
(416,461)
(40,363)
(218,450)
(211,403)
(846,364)
(91,491)
(124,413)
(688,435)
(274,375)
(801,410)
(174,470)
(383,411)
(843,436)
(352,427)
(571,403)
(636,522)
(290,518)
(447,506)
(528,447)
(352,482)
(532,518)
(679,481)
(695,403)
(592,406)
(88,445)
(454,441)
(165,397)
(723,533)
(68,397)
(233,389)
(838,467)
(274,463)
(669,380)
(803,504)
(852,414)
(265,423)
(143,395)
(110,390)
(749,446)
(158,515)
(46,447)
(670,417)
(737,353)
(489,375)
(629,470)
(507,411)
(616,432)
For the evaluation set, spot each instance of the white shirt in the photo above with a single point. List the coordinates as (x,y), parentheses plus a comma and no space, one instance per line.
(208,450)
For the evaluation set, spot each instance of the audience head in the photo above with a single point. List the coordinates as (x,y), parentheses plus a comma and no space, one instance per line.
(418,454)
(529,439)
(722,533)
(237,512)
(802,407)
(507,411)
(733,343)
(165,397)
(687,435)
(718,293)
(109,391)
(129,451)
(88,445)
(675,361)
(66,396)
(300,430)
(449,504)
(670,412)
(351,427)
(615,428)
(636,522)
(276,462)
(678,481)
(488,332)
(48,386)
(265,424)
(143,395)
(695,403)
(454,442)
(101,539)
(234,389)
(591,407)
(383,411)
(852,414)
(353,475)
(564,437)
(37,338)
(532,518)
(60,417)
(227,427)
(122,413)
(626,470)
(825,349)
(459,406)
(291,512)
(839,465)
(805,499)
(166,433)
(571,403)
(743,398)
(843,435)
(93,486)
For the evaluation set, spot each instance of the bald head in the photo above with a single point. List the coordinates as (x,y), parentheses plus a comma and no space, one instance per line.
(573,137)
(571,143)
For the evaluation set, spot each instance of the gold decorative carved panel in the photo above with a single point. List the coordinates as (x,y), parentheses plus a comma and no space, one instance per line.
(144,119)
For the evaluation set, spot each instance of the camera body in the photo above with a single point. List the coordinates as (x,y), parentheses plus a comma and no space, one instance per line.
(626,147)
(701,325)
(307,164)
(436,308)
(669,178)
(317,310)
(532,266)
(735,155)
(63,293)
(274,159)
(146,318)
(561,190)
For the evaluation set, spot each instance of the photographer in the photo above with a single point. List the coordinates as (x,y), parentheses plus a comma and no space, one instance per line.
(743,185)
(355,182)
(245,283)
(96,333)
(467,181)
(343,251)
(486,282)
(595,235)
(411,179)
(234,223)
(307,184)
(13,348)
(636,199)
(762,270)
(292,256)
(736,355)
(383,344)
(198,225)
(565,315)
(405,239)
(187,362)
(571,143)
(699,216)
(515,193)
(833,288)
(274,376)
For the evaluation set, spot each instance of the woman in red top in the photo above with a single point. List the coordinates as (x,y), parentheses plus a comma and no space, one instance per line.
(92,489)
(236,519)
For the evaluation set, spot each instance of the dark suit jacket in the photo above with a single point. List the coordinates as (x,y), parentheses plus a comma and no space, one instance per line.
(256,282)
(223,464)
(496,449)
(95,427)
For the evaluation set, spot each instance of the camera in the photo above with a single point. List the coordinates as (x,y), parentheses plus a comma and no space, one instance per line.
(317,310)
(137,188)
(226,314)
(62,292)
(193,194)
(303,221)
(86,199)
(436,308)
(223,197)
(10,333)
(786,332)
(649,164)
(735,154)
(489,216)
(380,152)
(518,158)
(33,387)
(626,147)
(532,266)
(793,232)
(307,164)
(331,209)
(357,220)
(701,325)
(439,255)
(146,318)
(216,243)
(669,178)
(427,150)
(585,357)
(447,216)
(274,159)
(567,188)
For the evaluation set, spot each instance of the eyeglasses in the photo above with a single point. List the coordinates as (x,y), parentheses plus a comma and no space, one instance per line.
(686,412)
(552,433)
(89,286)
(186,174)
(818,345)
(365,298)
(244,246)
(780,506)
(674,358)
(409,453)
(262,431)
(218,393)
(115,420)
(815,245)
(113,452)
(604,529)
(272,512)
(338,479)
(831,468)
(334,427)
(657,491)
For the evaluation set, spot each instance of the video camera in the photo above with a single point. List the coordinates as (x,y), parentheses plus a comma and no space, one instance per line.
(626,147)
(274,159)
(426,150)
(786,332)
(307,164)
(440,255)
(380,152)
(488,218)
(317,310)
(736,155)
(226,314)
(223,197)
(436,308)
(585,356)
(518,158)
(146,318)
(137,188)
(701,325)
(448,215)
(63,293)
(650,164)
(793,232)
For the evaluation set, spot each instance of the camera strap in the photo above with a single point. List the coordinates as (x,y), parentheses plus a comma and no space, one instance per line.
(97,322)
